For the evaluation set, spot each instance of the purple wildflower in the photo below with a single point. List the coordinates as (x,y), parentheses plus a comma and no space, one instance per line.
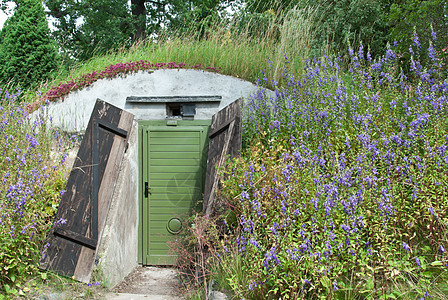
(390,55)
(417,42)
(406,247)
(244,195)
(94,283)
(432,53)
(335,286)
(418,262)
(434,35)
(255,243)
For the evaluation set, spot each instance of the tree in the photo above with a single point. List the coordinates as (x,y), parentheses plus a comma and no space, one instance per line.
(196,16)
(139,18)
(85,28)
(27,53)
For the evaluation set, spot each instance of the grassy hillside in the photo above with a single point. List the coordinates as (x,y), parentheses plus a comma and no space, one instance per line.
(340,192)
(224,50)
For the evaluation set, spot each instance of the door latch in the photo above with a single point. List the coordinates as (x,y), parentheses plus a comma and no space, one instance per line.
(147,190)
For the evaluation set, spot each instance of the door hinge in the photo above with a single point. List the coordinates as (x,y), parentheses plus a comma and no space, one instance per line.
(147,190)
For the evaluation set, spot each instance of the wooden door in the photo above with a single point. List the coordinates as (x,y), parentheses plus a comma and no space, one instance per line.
(224,142)
(70,248)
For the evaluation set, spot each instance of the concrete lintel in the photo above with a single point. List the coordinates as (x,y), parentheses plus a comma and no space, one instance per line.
(173,99)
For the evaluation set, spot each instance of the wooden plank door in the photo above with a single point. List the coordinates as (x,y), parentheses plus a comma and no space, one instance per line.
(224,141)
(71,245)
(173,182)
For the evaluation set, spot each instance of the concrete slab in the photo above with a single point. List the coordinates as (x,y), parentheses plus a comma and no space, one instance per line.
(118,247)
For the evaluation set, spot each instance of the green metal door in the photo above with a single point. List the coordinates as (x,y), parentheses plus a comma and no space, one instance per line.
(173,160)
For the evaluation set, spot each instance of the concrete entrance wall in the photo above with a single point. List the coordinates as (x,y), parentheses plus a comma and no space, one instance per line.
(73,113)
(118,245)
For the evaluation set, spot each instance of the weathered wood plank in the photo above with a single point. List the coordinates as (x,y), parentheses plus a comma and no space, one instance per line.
(106,186)
(225,140)
(89,189)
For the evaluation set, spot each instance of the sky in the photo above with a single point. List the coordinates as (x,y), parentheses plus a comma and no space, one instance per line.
(4,16)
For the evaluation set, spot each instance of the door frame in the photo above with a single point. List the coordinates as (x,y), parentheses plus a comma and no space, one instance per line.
(142,171)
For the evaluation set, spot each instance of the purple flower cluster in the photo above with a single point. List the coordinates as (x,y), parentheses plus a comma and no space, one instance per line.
(27,183)
(351,159)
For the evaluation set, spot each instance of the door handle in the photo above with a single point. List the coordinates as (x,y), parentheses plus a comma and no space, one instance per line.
(147,190)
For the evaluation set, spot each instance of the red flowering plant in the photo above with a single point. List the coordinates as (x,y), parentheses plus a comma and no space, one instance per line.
(64,88)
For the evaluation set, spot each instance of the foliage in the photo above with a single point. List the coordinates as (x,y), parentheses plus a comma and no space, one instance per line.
(32,180)
(85,28)
(335,24)
(350,22)
(261,6)
(341,191)
(199,234)
(372,23)
(27,53)
(196,17)
(422,18)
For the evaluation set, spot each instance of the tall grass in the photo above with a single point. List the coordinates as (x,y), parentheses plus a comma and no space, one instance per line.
(227,47)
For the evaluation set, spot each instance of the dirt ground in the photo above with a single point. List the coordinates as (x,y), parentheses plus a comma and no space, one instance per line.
(149,283)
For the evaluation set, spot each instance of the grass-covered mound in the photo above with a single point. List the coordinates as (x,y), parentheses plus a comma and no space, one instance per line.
(229,49)
(342,189)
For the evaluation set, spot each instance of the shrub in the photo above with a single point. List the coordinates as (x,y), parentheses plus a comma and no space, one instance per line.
(425,18)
